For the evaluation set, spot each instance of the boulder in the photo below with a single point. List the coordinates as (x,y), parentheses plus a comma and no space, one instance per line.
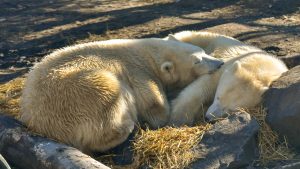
(231,143)
(291,61)
(282,102)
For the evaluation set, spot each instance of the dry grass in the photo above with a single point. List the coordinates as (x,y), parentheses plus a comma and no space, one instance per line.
(10,96)
(270,147)
(169,147)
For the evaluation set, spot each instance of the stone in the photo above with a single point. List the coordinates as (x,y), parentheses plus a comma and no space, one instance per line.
(282,102)
(231,143)
(291,61)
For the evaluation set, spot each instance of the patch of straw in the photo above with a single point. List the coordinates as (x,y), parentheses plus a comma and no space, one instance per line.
(169,147)
(269,144)
(10,93)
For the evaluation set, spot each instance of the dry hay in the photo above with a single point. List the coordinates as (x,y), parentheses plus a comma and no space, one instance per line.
(10,93)
(270,147)
(169,147)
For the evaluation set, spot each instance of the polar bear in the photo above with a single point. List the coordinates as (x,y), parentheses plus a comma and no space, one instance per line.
(240,82)
(91,95)
(208,41)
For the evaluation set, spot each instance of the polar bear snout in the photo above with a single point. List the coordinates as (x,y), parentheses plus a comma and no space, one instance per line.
(215,111)
(213,62)
(207,64)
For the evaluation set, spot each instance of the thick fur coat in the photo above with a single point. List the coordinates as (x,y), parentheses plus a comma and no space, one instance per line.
(91,95)
(239,83)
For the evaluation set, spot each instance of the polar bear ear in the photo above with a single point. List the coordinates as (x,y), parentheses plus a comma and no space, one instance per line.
(167,67)
(172,37)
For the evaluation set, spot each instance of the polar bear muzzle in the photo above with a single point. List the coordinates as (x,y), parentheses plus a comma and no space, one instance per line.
(206,64)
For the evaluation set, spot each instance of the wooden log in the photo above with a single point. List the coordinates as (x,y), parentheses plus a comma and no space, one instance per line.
(3,163)
(25,150)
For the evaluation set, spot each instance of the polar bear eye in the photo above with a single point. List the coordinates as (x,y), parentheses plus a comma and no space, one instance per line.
(167,67)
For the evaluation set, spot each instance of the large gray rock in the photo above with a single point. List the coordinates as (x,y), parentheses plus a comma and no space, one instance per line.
(282,102)
(230,144)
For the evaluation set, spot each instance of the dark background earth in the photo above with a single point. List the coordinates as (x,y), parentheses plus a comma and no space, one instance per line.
(30,29)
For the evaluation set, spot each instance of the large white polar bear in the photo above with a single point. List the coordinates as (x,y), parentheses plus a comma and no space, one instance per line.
(239,83)
(90,95)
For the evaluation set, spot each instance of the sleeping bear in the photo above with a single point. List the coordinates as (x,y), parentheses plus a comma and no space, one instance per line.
(239,83)
(91,95)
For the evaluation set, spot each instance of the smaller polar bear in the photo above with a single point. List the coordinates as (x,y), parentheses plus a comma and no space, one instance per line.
(239,83)
(91,95)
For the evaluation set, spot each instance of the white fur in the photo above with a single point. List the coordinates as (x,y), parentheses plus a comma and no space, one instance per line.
(240,82)
(91,95)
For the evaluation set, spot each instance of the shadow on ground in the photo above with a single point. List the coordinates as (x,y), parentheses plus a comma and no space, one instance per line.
(30,29)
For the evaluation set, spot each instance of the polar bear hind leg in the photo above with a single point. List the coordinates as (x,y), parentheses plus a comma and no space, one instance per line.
(115,121)
(84,108)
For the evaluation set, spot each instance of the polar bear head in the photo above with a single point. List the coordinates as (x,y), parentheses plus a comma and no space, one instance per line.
(237,88)
(185,62)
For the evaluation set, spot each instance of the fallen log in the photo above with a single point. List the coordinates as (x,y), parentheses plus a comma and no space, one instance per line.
(3,163)
(25,150)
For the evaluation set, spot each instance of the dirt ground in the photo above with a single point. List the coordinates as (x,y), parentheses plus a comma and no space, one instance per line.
(32,28)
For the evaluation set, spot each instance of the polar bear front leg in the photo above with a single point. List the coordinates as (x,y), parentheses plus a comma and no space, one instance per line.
(153,107)
(157,115)
(190,100)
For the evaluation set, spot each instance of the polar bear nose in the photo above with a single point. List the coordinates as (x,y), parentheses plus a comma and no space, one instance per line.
(214,111)
(213,63)
(220,64)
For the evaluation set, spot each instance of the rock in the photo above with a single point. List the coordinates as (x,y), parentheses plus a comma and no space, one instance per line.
(291,61)
(230,144)
(282,102)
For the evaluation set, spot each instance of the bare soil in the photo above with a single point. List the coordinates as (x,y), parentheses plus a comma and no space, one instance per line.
(31,29)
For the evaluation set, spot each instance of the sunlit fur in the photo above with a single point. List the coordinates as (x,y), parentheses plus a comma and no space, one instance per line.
(91,95)
(240,82)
